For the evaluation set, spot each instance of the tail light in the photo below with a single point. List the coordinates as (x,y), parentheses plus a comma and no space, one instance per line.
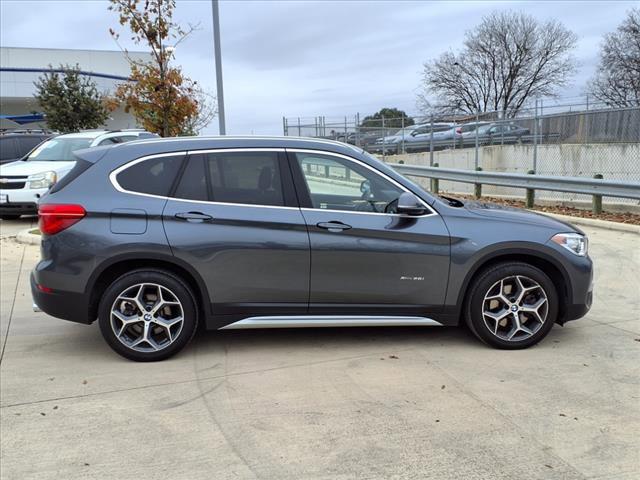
(54,218)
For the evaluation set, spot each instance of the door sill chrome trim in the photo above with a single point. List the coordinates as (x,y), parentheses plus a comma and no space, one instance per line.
(302,321)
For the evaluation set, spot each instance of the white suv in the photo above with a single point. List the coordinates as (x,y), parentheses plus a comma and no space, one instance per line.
(22,183)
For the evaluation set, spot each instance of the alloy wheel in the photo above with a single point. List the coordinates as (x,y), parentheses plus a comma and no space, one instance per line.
(515,308)
(147,317)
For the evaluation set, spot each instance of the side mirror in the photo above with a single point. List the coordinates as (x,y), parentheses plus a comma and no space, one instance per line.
(409,204)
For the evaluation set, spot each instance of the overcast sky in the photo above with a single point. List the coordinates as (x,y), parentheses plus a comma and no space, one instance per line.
(308,58)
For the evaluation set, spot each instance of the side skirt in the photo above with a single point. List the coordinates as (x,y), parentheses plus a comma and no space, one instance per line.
(303,321)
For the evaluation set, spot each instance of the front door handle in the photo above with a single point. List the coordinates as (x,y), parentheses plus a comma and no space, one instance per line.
(334,226)
(194,217)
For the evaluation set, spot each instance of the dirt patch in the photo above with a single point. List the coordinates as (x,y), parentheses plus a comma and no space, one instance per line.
(628,218)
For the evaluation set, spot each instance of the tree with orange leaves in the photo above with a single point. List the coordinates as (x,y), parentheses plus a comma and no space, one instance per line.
(161,98)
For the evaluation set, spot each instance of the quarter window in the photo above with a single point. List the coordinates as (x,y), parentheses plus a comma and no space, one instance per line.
(340,184)
(153,176)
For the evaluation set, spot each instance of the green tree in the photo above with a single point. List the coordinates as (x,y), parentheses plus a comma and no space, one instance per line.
(70,101)
(393,118)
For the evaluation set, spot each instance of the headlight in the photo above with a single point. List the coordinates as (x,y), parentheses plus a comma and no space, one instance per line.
(42,180)
(574,242)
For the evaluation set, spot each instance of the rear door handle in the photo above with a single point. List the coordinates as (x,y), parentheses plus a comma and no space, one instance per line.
(194,217)
(334,226)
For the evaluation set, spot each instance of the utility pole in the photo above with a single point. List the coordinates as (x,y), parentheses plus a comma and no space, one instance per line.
(218,58)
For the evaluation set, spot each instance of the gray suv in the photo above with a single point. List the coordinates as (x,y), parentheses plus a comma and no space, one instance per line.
(156,237)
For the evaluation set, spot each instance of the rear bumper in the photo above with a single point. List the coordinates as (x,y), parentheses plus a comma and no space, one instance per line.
(65,305)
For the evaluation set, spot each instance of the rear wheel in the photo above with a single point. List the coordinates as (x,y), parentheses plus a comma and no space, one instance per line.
(148,315)
(512,306)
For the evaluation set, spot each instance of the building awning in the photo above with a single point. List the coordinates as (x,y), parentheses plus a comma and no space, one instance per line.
(24,119)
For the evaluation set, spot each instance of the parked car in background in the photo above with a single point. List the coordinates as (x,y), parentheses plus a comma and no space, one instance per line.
(507,132)
(455,132)
(425,130)
(14,146)
(154,238)
(414,133)
(23,182)
(398,135)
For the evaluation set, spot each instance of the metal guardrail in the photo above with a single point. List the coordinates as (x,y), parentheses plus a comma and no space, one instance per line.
(467,142)
(588,186)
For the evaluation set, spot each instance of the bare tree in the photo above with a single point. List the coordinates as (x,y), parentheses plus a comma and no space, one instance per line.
(617,80)
(506,60)
(207,111)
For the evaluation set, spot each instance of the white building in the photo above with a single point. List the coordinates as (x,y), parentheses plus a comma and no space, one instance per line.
(20,67)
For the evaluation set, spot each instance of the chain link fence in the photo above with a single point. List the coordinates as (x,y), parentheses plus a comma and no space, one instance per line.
(582,143)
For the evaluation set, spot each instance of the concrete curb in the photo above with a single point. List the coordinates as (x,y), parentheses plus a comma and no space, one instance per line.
(24,236)
(592,222)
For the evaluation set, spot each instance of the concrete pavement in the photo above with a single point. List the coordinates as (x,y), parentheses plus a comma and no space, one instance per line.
(330,403)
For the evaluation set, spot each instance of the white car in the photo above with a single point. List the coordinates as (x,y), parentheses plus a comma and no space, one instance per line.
(22,183)
(414,133)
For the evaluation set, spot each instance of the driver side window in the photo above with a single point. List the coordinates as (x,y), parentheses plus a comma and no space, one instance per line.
(336,183)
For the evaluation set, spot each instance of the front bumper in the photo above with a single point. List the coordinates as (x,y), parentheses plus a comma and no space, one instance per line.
(582,297)
(21,201)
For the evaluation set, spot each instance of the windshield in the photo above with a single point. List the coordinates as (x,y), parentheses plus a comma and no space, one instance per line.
(59,149)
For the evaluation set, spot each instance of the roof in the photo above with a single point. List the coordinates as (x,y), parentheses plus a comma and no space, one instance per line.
(90,134)
(248,141)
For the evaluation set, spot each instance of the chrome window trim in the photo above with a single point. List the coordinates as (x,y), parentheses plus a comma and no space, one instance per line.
(375,171)
(121,168)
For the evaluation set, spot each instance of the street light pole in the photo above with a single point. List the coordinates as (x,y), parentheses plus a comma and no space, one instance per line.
(218,58)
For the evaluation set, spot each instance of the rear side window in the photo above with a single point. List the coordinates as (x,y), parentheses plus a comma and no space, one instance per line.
(154,176)
(8,148)
(233,177)
(29,143)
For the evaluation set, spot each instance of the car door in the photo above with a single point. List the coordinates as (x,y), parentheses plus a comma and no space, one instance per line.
(364,260)
(233,216)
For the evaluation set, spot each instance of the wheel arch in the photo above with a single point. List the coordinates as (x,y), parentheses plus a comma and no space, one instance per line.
(114,267)
(549,265)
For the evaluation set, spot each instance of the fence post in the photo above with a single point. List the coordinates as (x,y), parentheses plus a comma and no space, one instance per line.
(597,199)
(535,139)
(531,193)
(477,187)
(299,127)
(435,183)
(431,145)
(384,151)
(358,129)
(284,126)
(476,159)
(402,127)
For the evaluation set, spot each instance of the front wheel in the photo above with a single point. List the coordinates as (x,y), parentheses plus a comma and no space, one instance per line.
(512,305)
(148,315)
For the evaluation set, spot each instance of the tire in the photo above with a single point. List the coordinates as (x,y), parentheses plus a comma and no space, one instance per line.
(148,328)
(9,217)
(490,312)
